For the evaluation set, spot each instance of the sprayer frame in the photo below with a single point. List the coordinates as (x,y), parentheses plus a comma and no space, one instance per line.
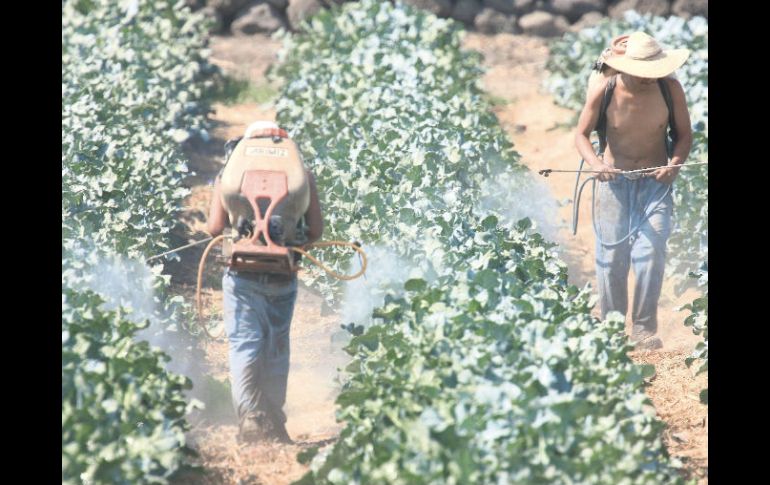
(250,254)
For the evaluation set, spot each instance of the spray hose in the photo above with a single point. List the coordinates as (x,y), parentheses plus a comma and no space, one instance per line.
(198,303)
(576,208)
(629,174)
(356,247)
(303,251)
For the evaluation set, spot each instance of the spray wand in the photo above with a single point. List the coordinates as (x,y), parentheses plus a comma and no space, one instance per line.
(548,171)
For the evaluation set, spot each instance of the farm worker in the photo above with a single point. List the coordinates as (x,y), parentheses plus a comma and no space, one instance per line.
(258,306)
(633,215)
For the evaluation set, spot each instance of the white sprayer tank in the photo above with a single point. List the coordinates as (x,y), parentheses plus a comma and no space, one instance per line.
(266,153)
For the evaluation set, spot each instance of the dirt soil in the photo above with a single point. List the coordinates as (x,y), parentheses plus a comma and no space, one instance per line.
(515,70)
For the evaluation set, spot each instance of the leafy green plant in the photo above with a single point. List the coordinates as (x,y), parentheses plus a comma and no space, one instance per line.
(134,77)
(482,365)
(123,414)
(699,321)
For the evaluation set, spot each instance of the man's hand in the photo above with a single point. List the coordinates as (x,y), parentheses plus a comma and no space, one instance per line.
(607,172)
(667,174)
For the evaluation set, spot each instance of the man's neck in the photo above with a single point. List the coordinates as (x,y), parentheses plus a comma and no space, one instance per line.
(634,85)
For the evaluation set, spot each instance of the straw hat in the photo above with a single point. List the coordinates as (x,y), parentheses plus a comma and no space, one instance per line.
(259,126)
(644,58)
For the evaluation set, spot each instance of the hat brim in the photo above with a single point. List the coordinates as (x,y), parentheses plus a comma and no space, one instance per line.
(661,66)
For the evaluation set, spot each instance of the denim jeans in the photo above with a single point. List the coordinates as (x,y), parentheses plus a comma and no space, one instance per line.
(257,312)
(621,206)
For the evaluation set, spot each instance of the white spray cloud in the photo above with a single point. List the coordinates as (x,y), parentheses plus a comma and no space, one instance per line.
(130,284)
(518,195)
(386,270)
(126,283)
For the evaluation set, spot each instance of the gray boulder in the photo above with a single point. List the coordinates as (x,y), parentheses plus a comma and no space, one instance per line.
(574,9)
(228,9)
(493,22)
(260,16)
(543,24)
(466,10)
(588,20)
(655,7)
(278,3)
(690,8)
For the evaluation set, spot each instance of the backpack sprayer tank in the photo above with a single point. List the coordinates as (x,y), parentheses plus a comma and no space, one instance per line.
(265,191)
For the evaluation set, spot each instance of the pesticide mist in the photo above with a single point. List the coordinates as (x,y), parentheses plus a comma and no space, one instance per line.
(386,272)
(516,195)
(132,287)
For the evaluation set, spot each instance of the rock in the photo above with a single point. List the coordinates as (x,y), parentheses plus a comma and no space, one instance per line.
(442,8)
(260,16)
(195,4)
(543,24)
(655,7)
(691,8)
(505,6)
(228,8)
(680,437)
(493,22)
(300,10)
(518,7)
(574,9)
(466,10)
(588,20)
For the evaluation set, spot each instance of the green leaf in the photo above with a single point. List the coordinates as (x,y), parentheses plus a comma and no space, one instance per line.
(305,456)
(416,285)
(704,396)
(487,279)
(648,370)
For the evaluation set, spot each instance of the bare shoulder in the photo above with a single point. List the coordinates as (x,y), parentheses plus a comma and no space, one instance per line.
(596,89)
(674,85)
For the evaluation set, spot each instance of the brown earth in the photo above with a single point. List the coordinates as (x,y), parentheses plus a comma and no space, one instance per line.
(515,70)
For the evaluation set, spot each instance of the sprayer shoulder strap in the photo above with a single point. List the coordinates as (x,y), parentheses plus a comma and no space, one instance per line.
(664,89)
(601,124)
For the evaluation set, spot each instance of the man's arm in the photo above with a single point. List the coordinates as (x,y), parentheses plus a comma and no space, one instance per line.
(586,123)
(313,216)
(217,215)
(683,132)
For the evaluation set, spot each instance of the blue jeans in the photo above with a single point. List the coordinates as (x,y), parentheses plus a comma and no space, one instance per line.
(621,206)
(257,312)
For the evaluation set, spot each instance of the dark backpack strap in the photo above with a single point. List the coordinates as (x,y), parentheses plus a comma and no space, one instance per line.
(230,146)
(663,84)
(601,124)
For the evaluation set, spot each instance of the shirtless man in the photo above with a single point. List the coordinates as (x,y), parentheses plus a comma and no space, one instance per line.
(634,215)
